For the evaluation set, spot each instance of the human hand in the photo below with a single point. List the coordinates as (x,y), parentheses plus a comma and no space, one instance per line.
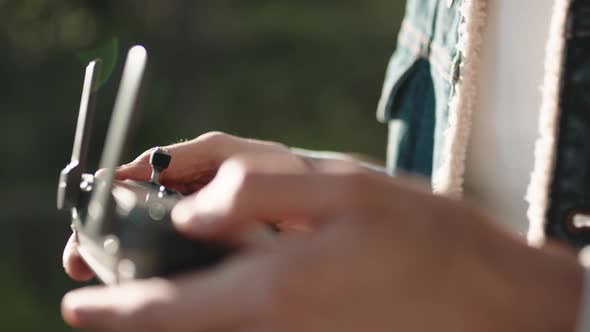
(194,164)
(386,257)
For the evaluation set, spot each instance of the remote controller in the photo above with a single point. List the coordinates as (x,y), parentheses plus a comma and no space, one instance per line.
(124,228)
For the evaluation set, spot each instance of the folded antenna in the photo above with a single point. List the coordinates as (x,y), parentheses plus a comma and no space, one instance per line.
(117,137)
(69,182)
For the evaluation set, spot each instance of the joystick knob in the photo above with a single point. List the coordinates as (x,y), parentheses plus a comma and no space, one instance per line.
(160,160)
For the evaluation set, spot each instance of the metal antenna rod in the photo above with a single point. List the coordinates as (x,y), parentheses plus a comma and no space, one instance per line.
(86,113)
(70,177)
(117,137)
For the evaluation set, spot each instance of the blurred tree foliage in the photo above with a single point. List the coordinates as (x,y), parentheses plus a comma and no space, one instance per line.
(306,73)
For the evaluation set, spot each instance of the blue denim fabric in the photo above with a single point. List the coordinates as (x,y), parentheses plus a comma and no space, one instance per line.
(570,188)
(419,84)
(414,121)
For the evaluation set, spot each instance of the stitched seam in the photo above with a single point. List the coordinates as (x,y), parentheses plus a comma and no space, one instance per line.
(442,69)
(436,49)
(412,47)
(406,25)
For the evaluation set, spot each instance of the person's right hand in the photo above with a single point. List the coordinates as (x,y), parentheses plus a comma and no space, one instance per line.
(194,164)
(385,256)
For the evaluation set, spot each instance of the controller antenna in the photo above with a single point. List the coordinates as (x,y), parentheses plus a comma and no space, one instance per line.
(160,160)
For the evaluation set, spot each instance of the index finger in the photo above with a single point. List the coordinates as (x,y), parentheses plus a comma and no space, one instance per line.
(247,189)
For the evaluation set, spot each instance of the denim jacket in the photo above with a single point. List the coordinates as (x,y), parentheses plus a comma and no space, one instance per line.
(418,85)
(430,92)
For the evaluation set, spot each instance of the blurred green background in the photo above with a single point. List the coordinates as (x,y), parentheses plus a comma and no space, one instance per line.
(307,73)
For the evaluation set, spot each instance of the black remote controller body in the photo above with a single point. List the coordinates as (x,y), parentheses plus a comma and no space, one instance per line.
(124,228)
(139,240)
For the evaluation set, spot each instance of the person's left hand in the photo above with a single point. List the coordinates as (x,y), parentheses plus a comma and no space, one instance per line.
(385,257)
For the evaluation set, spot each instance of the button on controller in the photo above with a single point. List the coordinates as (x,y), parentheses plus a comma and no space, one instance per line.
(160,160)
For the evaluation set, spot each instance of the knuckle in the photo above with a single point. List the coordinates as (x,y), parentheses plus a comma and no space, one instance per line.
(236,169)
(279,147)
(245,182)
(213,137)
(235,175)
(245,162)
